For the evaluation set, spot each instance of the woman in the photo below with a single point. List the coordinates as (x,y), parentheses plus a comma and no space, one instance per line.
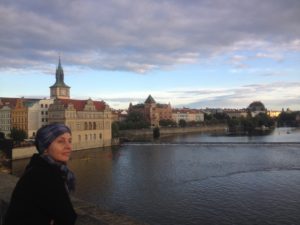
(41,196)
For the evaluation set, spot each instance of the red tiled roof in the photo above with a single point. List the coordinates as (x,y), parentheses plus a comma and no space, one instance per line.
(79,104)
(186,110)
(11,102)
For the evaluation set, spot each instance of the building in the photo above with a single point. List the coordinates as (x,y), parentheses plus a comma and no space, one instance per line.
(152,111)
(6,105)
(59,89)
(256,108)
(90,121)
(188,115)
(22,117)
(274,114)
(5,120)
(38,115)
(236,113)
(119,115)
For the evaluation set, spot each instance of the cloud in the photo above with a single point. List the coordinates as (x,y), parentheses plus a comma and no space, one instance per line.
(277,95)
(142,35)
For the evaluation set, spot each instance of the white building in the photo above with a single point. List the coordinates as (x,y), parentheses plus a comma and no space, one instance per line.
(38,115)
(5,120)
(236,113)
(188,115)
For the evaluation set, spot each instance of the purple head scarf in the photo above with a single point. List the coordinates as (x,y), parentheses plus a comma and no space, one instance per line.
(47,134)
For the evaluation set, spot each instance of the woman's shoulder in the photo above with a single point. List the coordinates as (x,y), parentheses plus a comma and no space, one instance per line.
(38,170)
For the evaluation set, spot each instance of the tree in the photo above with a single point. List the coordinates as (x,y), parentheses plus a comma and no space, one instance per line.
(2,136)
(182,123)
(156,132)
(18,135)
(115,130)
(287,119)
(167,123)
(134,120)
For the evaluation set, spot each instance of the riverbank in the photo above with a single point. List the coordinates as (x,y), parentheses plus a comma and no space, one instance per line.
(88,213)
(146,134)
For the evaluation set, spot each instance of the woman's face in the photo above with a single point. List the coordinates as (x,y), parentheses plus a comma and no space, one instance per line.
(60,149)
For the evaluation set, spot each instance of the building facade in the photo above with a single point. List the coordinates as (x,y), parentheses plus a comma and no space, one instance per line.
(90,121)
(38,115)
(236,113)
(5,120)
(188,115)
(256,108)
(152,111)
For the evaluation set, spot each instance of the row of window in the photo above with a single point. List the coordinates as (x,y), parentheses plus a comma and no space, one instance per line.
(3,121)
(90,137)
(6,115)
(42,105)
(5,128)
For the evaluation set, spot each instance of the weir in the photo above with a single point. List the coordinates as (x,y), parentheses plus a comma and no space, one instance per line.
(212,143)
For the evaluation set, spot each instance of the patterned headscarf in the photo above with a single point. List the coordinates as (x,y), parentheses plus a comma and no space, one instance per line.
(47,134)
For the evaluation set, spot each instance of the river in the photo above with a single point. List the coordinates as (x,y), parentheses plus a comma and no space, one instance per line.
(202,179)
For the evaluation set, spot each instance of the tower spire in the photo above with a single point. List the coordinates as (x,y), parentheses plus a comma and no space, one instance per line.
(59,63)
(59,89)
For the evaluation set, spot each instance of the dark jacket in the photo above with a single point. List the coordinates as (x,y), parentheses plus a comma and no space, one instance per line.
(40,197)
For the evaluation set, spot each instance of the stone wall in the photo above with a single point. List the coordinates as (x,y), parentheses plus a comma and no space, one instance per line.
(132,134)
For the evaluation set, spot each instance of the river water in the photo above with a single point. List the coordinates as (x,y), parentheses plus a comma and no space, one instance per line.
(201,179)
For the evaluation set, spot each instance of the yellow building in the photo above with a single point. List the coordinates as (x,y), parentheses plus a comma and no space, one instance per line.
(19,115)
(90,121)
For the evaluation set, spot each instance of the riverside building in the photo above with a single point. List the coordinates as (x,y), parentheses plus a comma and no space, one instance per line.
(152,111)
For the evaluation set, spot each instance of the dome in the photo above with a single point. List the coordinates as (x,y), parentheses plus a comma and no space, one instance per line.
(256,106)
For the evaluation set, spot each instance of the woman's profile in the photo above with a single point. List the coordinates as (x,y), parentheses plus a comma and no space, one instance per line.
(41,195)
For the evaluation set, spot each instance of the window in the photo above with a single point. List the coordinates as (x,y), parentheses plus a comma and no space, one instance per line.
(100,136)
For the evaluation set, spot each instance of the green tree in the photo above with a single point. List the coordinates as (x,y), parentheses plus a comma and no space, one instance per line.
(156,132)
(264,120)
(115,130)
(167,123)
(287,119)
(134,120)
(182,123)
(18,135)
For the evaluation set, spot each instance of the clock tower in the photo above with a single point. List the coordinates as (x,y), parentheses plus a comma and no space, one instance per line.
(59,89)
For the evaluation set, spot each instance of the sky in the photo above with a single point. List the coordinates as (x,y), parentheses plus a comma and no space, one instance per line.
(189,53)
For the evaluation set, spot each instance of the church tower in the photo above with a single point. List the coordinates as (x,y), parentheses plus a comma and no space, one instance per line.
(59,89)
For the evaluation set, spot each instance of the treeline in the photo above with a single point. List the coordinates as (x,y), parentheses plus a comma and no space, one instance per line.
(248,124)
(289,119)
